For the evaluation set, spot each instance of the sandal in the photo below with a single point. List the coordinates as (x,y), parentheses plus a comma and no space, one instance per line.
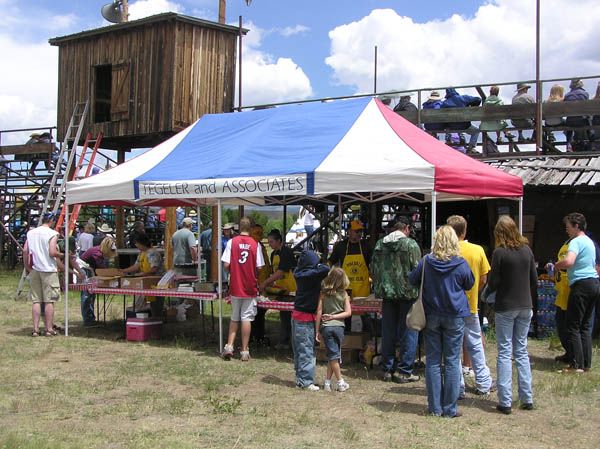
(51,333)
(35,333)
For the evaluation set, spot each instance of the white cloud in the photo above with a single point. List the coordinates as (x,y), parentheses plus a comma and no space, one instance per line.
(290,31)
(266,79)
(145,8)
(27,86)
(497,44)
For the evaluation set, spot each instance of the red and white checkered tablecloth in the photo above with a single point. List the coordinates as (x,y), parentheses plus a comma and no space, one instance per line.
(173,293)
(289,306)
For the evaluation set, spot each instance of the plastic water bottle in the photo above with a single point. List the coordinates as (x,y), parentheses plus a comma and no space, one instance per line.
(550,269)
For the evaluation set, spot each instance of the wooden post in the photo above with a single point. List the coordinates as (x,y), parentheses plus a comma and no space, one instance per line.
(170,228)
(120,212)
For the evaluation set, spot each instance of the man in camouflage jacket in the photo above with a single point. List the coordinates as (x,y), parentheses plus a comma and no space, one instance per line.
(394,257)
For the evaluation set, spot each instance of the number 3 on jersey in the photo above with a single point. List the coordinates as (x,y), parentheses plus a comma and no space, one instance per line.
(243,256)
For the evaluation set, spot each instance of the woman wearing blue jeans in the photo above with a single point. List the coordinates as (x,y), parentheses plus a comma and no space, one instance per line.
(446,277)
(514,279)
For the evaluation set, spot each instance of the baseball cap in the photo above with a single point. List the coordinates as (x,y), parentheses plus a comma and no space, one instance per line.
(188,221)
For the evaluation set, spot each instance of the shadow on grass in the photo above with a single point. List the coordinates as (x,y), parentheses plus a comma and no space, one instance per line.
(408,408)
(544,363)
(274,380)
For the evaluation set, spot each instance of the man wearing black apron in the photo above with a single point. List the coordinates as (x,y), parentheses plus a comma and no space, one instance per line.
(353,255)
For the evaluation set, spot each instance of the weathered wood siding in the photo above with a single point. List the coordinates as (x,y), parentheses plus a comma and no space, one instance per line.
(204,78)
(165,76)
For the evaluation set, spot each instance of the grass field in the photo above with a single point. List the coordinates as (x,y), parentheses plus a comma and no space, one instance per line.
(95,390)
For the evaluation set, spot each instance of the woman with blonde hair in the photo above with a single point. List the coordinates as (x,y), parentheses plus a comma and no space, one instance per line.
(333,309)
(557,94)
(514,279)
(94,258)
(446,278)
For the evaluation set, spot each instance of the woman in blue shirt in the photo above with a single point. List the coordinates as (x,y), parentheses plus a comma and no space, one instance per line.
(580,263)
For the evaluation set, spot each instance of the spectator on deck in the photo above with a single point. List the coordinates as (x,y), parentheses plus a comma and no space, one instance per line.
(454,100)
(522,97)
(557,94)
(405,105)
(493,125)
(434,102)
(596,119)
(577,93)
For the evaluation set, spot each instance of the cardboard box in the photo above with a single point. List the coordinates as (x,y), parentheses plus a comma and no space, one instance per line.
(140,282)
(348,355)
(355,340)
(107,277)
(143,329)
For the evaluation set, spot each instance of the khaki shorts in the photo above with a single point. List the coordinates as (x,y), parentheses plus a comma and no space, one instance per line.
(44,287)
(243,309)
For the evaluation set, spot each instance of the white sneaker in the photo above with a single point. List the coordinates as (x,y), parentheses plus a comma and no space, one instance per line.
(342,385)
(227,352)
(327,385)
(311,387)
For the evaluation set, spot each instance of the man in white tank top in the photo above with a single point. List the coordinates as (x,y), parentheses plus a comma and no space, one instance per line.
(39,255)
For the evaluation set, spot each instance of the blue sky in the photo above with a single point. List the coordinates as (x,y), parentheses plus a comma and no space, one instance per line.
(313,49)
(308,49)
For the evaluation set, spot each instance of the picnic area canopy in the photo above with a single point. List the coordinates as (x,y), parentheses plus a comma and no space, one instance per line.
(356,147)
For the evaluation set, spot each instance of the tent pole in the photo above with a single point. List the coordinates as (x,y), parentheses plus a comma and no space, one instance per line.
(433,213)
(199,248)
(220,273)
(521,215)
(66,206)
(340,216)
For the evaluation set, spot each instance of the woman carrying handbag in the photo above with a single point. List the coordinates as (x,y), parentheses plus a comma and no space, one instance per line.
(446,276)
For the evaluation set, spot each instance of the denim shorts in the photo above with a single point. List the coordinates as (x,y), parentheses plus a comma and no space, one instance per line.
(333,336)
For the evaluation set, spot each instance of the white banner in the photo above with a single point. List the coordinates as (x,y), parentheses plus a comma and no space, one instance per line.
(224,188)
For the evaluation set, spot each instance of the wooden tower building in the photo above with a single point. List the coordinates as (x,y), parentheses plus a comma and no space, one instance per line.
(146,79)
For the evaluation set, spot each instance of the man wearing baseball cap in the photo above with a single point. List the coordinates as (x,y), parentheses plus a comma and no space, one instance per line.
(185,251)
(353,255)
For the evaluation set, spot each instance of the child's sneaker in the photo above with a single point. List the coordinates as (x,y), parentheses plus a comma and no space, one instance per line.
(327,385)
(227,352)
(245,356)
(342,385)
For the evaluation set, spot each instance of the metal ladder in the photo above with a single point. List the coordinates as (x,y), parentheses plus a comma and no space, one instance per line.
(55,190)
(75,213)
(69,146)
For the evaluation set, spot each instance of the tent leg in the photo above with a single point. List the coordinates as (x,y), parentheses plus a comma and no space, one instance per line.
(220,273)
(521,215)
(433,213)
(66,206)
(340,217)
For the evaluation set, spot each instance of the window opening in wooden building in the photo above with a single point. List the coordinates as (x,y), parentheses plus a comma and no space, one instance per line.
(102,93)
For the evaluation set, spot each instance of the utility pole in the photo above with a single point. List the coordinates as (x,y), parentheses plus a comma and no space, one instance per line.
(222,8)
(125,10)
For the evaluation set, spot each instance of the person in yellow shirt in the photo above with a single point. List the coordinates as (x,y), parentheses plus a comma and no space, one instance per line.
(561,285)
(477,261)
